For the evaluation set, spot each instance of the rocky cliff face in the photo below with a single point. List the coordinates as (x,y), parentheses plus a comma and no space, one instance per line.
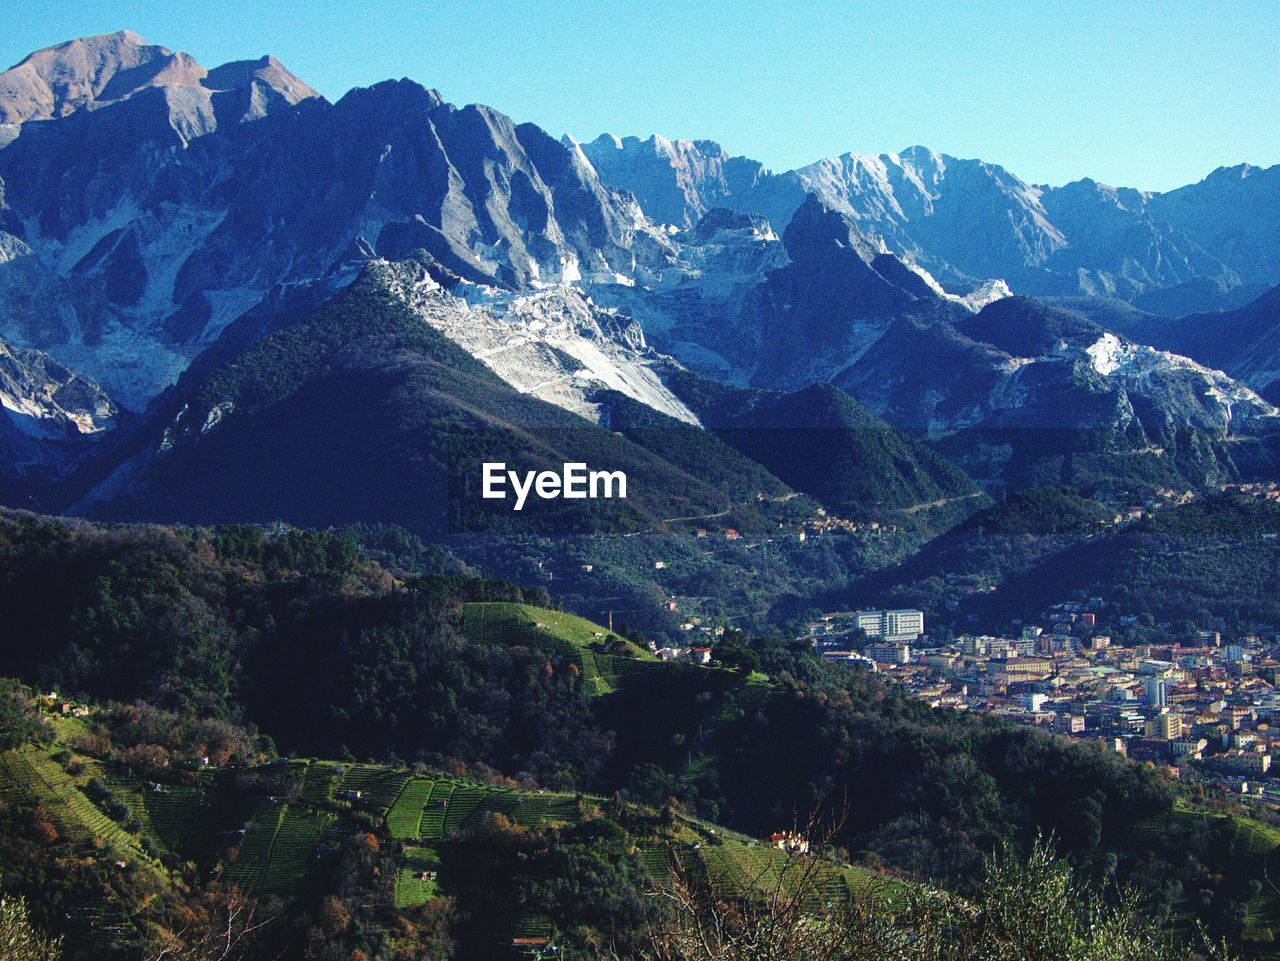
(159,201)
(969,220)
(51,420)
(678,182)
(46,399)
(157,216)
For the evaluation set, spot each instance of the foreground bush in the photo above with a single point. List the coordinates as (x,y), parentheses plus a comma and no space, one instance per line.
(20,940)
(1031,909)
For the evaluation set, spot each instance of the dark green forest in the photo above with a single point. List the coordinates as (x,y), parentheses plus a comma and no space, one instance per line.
(311,648)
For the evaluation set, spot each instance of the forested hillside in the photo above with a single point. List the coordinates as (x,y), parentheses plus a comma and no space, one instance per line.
(325,653)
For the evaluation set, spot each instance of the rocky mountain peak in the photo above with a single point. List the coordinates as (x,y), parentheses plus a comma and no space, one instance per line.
(675,181)
(817,228)
(93,71)
(62,79)
(266,70)
(390,99)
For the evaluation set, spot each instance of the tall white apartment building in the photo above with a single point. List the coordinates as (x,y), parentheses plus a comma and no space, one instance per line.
(903,625)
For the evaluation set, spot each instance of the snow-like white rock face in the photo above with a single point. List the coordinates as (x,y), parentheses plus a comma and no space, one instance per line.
(52,297)
(692,308)
(43,399)
(1106,353)
(553,343)
(987,292)
(1214,398)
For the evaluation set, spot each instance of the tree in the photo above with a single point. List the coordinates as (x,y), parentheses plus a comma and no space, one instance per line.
(218,926)
(20,939)
(738,656)
(1024,908)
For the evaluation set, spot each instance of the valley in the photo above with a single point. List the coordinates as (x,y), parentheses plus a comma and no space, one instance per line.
(428,535)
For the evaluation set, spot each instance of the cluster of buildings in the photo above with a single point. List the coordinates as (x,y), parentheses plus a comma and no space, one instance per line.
(871,637)
(692,655)
(1209,710)
(822,524)
(56,704)
(1259,490)
(726,533)
(1131,508)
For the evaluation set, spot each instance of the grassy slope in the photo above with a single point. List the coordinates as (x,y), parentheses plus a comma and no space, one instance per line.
(1256,856)
(604,659)
(275,844)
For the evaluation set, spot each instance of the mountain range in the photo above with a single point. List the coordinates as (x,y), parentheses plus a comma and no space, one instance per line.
(284,681)
(211,276)
(969,220)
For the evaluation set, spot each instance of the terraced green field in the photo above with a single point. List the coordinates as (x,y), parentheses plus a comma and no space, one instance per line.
(378,785)
(432,809)
(283,840)
(656,860)
(270,845)
(406,813)
(1258,851)
(319,781)
(278,848)
(433,815)
(747,699)
(30,772)
(171,815)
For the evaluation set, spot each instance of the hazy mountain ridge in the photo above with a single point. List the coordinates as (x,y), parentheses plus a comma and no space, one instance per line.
(1244,342)
(166,241)
(968,220)
(147,224)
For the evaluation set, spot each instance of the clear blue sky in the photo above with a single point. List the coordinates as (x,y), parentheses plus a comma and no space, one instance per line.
(1144,94)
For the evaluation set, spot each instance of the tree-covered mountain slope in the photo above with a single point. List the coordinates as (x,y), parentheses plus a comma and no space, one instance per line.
(365,413)
(823,442)
(1209,564)
(330,655)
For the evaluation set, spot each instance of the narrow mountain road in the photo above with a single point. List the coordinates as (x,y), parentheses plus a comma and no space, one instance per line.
(940,502)
(697,517)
